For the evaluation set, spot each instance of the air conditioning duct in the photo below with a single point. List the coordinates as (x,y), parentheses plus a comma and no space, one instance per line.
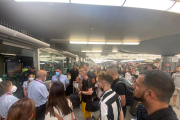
(19,37)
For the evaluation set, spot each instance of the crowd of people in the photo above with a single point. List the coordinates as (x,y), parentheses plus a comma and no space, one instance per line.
(116,87)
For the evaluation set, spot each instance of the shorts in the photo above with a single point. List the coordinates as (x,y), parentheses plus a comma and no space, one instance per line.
(85,113)
(177,91)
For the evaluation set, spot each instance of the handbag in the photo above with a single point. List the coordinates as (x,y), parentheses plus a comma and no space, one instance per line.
(92,105)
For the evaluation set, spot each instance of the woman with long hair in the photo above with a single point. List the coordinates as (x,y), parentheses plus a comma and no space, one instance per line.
(128,75)
(6,97)
(23,109)
(58,106)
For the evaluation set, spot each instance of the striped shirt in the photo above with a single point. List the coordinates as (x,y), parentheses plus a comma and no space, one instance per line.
(110,105)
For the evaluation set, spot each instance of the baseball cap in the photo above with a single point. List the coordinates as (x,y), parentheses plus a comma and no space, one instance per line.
(32,67)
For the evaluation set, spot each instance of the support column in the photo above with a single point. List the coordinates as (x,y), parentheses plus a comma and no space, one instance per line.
(36,59)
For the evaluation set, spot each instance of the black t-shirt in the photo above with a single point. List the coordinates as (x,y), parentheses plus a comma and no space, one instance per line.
(86,84)
(163,114)
(120,90)
(74,74)
(90,75)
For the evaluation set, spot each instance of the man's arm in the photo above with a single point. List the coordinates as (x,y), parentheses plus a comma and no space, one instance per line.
(89,92)
(66,82)
(121,116)
(120,90)
(123,100)
(24,90)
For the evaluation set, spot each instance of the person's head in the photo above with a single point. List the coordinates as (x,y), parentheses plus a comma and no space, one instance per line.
(149,66)
(178,69)
(124,69)
(112,71)
(85,66)
(83,73)
(153,86)
(58,71)
(23,109)
(167,64)
(32,68)
(57,99)
(104,81)
(31,77)
(74,67)
(128,69)
(41,75)
(7,87)
(95,71)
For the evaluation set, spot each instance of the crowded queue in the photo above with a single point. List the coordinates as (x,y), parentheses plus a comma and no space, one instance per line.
(110,91)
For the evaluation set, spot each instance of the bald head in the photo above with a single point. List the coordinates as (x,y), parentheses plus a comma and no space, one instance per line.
(41,74)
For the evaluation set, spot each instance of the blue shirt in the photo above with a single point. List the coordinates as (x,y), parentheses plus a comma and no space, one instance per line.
(37,91)
(62,78)
(5,103)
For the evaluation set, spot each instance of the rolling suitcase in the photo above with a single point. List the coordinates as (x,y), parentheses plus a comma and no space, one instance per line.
(75,100)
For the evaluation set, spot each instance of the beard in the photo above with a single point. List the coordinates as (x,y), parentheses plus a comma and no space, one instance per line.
(141,99)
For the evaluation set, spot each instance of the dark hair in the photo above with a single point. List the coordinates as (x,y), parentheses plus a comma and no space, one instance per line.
(74,65)
(161,83)
(86,64)
(57,99)
(58,69)
(129,70)
(178,66)
(4,87)
(23,109)
(30,74)
(108,78)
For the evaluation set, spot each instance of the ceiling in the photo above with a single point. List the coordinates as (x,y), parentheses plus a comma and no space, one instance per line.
(157,31)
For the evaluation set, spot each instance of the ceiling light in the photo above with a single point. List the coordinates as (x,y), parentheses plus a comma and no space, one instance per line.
(96,51)
(114,51)
(8,54)
(85,51)
(100,2)
(175,8)
(77,42)
(96,42)
(131,43)
(64,1)
(113,43)
(150,4)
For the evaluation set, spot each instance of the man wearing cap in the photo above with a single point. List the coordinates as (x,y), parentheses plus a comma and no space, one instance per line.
(24,76)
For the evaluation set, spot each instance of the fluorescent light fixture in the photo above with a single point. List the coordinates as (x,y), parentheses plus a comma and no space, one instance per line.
(85,51)
(96,51)
(131,43)
(100,2)
(114,51)
(64,1)
(96,42)
(77,42)
(8,54)
(150,4)
(175,8)
(113,43)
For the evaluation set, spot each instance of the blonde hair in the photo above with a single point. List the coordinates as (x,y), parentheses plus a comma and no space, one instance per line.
(101,75)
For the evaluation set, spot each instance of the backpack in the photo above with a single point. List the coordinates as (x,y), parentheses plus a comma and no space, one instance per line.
(129,91)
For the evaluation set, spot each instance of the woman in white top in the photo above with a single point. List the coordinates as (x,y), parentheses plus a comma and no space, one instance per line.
(26,84)
(128,74)
(58,106)
(6,97)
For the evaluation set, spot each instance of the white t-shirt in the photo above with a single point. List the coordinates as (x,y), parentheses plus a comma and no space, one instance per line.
(128,77)
(66,117)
